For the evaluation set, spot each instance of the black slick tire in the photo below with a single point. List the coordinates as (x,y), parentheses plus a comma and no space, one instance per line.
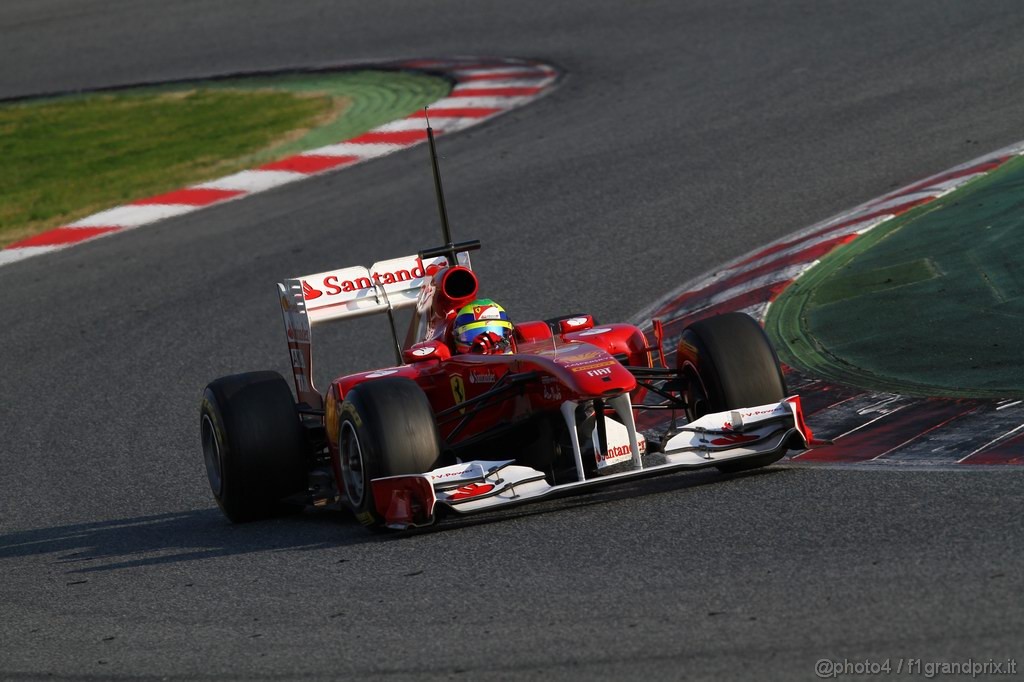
(386,428)
(253,445)
(730,363)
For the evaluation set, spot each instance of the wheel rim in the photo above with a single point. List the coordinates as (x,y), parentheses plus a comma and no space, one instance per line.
(212,455)
(696,394)
(352,469)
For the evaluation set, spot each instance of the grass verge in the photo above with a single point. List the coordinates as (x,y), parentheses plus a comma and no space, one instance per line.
(68,157)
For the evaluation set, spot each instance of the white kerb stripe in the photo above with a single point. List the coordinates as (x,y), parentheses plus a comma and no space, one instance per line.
(501,69)
(781,275)
(896,202)
(253,180)
(758,311)
(781,256)
(947,186)
(133,216)
(410,124)
(450,125)
(22,252)
(481,102)
(370,150)
(539,82)
(440,124)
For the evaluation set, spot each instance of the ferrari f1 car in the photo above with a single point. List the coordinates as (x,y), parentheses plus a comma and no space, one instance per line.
(443,433)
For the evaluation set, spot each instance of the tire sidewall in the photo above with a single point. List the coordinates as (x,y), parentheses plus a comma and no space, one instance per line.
(256,472)
(352,425)
(711,344)
(209,414)
(393,421)
(704,353)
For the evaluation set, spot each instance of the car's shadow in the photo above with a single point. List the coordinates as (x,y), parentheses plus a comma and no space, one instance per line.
(204,534)
(178,537)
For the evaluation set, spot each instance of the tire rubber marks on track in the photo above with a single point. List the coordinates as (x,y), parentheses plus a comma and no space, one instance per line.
(483,88)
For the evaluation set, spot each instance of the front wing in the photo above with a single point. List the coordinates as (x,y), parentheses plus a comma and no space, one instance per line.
(416,500)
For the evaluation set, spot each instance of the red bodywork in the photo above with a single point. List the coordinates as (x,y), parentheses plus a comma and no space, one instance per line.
(573,360)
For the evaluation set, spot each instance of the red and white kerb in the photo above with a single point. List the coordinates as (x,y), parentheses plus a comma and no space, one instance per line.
(484,88)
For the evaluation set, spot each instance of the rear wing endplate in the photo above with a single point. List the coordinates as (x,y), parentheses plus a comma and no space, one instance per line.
(384,287)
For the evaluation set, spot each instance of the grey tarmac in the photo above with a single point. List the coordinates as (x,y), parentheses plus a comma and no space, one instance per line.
(685,133)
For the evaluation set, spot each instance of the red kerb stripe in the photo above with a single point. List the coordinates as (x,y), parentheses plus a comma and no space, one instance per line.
(192,197)
(980,168)
(455,113)
(59,236)
(402,137)
(748,298)
(894,210)
(804,256)
(309,164)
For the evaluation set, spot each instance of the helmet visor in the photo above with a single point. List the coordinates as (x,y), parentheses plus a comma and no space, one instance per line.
(466,334)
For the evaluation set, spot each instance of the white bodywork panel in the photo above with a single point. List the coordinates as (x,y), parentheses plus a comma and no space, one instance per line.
(385,286)
(731,434)
(355,291)
(618,451)
(713,439)
(300,349)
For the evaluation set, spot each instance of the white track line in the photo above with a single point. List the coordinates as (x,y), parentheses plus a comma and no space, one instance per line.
(992,442)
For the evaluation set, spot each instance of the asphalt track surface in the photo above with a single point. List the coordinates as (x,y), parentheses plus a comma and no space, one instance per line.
(684,134)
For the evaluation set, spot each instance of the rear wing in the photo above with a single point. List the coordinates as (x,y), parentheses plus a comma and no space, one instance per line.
(384,287)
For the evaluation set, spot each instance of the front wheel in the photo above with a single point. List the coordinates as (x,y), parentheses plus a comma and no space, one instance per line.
(253,444)
(729,363)
(386,428)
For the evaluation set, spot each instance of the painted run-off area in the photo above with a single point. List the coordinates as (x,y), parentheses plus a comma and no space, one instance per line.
(930,303)
(869,427)
(67,157)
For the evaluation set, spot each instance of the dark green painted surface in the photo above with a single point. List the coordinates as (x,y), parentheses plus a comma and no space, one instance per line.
(931,303)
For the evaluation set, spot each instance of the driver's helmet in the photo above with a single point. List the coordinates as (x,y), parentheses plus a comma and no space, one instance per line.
(482,327)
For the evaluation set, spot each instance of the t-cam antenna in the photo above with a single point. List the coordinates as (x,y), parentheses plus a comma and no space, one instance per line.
(450,250)
(442,210)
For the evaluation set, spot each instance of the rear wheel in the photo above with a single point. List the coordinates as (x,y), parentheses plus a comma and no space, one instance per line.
(386,428)
(730,363)
(253,444)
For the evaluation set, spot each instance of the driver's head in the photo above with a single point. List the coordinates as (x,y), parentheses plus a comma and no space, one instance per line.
(482,327)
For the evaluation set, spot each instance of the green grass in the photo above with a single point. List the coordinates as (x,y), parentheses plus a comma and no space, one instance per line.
(66,158)
(70,158)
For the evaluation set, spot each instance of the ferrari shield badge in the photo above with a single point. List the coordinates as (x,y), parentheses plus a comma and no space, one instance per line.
(458,390)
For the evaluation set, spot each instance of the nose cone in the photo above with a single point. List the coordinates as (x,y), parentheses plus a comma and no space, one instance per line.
(593,373)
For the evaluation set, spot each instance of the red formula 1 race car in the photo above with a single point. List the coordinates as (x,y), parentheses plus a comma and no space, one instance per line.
(479,413)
